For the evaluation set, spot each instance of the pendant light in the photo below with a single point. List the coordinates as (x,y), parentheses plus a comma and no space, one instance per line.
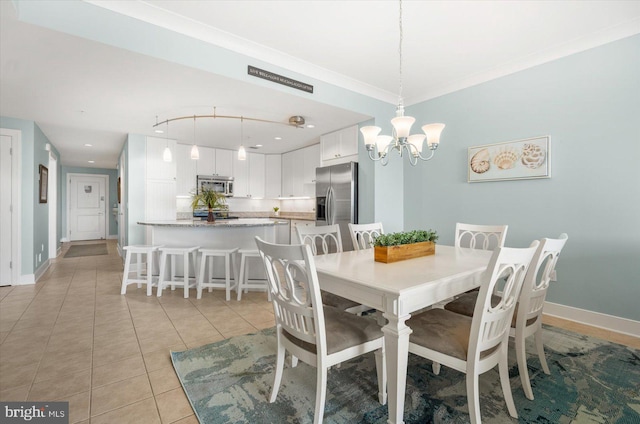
(195,153)
(242,153)
(166,155)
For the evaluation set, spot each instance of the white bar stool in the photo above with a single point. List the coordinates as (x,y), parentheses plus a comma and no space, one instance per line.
(244,283)
(139,279)
(173,252)
(229,256)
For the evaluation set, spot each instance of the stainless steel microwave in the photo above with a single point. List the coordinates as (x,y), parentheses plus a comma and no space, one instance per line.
(223,185)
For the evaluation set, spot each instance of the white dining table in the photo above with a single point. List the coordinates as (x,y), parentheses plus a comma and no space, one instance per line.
(397,290)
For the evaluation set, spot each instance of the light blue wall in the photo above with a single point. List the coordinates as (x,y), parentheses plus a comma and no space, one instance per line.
(589,104)
(112,189)
(34,215)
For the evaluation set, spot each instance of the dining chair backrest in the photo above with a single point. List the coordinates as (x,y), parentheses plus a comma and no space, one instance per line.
(363,235)
(322,239)
(295,292)
(491,323)
(536,283)
(484,237)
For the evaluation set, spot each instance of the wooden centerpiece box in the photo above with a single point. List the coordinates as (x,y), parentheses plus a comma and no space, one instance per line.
(396,247)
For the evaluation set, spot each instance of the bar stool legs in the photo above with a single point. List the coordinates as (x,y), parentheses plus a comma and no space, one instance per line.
(150,252)
(208,255)
(185,252)
(244,283)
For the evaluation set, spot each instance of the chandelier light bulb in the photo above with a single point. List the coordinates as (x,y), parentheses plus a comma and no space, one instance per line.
(370,134)
(433,132)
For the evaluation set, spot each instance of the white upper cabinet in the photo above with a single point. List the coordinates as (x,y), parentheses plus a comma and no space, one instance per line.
(224,162)
(249,176)
(206,165)
(185,170)
(256,175)
(157,168)
(340,146)
(299,172)
(240,177)
(273,176)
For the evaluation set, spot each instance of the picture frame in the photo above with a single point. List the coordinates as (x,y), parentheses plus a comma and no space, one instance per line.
(525,159)
(119,190)
(43,183)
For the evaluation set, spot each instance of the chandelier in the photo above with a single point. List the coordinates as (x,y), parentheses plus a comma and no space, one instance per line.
(294,121)
(400,138)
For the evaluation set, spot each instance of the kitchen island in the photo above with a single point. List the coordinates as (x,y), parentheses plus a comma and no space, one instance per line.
(221,234)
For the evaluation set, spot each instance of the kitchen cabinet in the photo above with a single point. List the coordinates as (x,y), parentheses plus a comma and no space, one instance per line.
(185,170)
(311,159)
(206,165)
(299,171)
(224,162)
(292,173)
(273,177)
(249,176)
(160,182)
(340,146)
(256,175)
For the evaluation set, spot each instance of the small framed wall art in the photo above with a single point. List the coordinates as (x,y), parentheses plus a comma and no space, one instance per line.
(512,160)
(44,183)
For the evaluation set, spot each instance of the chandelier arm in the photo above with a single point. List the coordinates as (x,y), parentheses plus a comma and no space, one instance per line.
(372,157)
(166,121)
(433,151)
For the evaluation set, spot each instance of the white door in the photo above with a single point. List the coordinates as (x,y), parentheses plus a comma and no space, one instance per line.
(87,213)
(5,210)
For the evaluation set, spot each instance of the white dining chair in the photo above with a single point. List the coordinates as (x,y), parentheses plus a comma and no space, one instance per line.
(485,237)
(475,345)
(323,240)
(363,235)
(527,318)
(320,336)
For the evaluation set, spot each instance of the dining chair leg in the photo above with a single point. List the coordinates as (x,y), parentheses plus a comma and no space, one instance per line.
(279,369)
(521,356)
(540,348)
(473,397)
(503,368)
(321,393)
(435,367)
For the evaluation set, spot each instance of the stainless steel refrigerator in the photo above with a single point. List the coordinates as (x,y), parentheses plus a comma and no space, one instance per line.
(337,198)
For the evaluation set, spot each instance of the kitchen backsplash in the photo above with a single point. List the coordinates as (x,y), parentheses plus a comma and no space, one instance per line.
(255,208)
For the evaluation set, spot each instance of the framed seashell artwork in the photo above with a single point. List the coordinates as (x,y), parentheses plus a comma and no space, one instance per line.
(512,160)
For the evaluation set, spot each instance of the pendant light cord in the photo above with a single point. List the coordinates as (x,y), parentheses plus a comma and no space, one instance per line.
(400,102)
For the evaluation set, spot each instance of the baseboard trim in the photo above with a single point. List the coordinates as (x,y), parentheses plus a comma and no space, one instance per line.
(26,279)
(594,319)
(112,237)
(43,268)
(64,240)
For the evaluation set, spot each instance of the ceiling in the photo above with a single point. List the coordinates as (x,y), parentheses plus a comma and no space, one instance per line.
(81,91)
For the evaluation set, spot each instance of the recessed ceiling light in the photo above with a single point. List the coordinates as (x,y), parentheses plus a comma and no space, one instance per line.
(88,145)
(310,126)
(277,138)
(159,132)
(258,145)
(92,161)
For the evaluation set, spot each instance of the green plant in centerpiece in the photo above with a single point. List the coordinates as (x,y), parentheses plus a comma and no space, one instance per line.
(209,198)
(405,237)
(276,209)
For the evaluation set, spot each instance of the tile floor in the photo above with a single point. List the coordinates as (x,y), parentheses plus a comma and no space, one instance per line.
(73,337)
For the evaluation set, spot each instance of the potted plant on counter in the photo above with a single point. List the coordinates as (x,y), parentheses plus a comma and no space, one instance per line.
(395,247)
(276,211)
(209,198)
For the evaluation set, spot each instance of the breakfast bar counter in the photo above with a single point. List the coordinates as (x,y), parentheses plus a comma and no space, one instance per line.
(221,234)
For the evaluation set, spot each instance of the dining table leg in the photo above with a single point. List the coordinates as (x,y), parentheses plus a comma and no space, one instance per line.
(396,345)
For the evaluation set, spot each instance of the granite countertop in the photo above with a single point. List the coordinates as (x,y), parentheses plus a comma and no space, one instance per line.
(243,222)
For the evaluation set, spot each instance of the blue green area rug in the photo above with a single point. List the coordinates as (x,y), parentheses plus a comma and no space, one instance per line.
(591,381)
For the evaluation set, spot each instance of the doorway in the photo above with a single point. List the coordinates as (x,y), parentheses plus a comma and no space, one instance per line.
(10,206)
(86,205)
